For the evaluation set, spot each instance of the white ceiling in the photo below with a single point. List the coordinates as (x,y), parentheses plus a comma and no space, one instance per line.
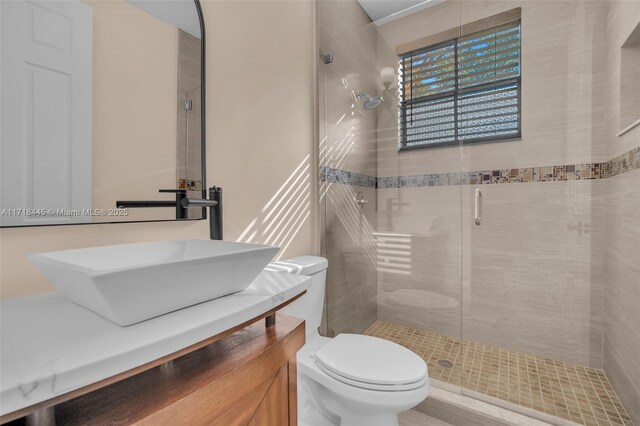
(383,11)
(178,13)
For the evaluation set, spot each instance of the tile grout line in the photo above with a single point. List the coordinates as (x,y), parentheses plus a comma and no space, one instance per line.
(545,401)
(586,394)
(600,401)
(609,395)
(571,381)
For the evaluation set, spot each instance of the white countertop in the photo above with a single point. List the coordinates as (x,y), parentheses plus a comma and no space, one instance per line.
(50,346)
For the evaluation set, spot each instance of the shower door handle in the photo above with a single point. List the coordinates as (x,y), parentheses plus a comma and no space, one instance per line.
(478,207)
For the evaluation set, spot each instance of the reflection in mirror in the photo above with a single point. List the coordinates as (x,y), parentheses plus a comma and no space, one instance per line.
(101,108)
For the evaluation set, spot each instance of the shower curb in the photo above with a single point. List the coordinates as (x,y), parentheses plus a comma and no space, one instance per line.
(447,404)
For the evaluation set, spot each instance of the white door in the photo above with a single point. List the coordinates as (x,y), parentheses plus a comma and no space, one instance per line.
(46,110)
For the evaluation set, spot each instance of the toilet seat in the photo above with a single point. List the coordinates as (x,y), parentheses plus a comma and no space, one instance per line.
(374,386)
(371,363)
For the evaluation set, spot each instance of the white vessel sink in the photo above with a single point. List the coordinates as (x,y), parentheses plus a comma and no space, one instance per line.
(133,282)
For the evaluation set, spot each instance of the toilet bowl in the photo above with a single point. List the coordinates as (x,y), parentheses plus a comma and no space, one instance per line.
(351,379)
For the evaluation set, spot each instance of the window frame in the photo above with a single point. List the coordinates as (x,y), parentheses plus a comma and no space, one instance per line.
(403,105)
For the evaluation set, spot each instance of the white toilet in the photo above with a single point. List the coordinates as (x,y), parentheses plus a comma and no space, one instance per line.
(351,379)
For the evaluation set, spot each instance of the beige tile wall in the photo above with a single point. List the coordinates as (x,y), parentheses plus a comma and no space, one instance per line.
(622,18)
(419,257)
(532,272)
(351,280)
(563,79)
(622,288)
(622,230)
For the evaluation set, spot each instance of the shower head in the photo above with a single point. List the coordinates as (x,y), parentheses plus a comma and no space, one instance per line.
(370,102)
(373,103)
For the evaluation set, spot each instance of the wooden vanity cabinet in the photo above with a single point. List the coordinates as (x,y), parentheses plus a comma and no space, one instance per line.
(245,378)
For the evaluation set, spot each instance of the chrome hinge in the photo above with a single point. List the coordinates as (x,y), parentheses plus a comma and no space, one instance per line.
(188,105)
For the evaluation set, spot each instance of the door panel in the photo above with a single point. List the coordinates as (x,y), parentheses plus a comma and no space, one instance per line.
(46,110)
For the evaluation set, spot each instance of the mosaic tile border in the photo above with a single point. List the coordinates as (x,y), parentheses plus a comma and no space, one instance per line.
(621,164)
(331,175)
(486,177)
(626,162)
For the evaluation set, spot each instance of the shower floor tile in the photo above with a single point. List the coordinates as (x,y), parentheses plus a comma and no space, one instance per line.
(580,394)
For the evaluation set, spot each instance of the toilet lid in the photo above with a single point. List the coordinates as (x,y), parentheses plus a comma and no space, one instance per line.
(371,360)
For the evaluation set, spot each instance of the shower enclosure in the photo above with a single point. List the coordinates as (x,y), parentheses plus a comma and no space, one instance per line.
(485,213)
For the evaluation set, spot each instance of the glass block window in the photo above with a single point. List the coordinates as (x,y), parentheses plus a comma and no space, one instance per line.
(465,90)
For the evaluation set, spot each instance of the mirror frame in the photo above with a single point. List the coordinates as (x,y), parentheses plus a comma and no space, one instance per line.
(203,142)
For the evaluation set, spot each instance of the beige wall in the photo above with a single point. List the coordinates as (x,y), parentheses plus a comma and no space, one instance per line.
(134,54)
(258,134)
(622,229)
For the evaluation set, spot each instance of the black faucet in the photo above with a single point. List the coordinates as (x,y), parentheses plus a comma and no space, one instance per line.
(215,213)
(181,212)
(183,203)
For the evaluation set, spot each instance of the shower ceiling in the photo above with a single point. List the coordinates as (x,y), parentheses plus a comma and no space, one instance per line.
(383,11)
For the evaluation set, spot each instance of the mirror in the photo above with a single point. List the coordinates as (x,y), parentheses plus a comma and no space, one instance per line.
(102,107)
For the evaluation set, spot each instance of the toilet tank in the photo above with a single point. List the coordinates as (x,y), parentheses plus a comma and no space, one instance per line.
(309,306)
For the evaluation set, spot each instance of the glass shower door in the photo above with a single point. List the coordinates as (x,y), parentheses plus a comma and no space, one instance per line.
(533,208)
(348,196)
(391,220)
